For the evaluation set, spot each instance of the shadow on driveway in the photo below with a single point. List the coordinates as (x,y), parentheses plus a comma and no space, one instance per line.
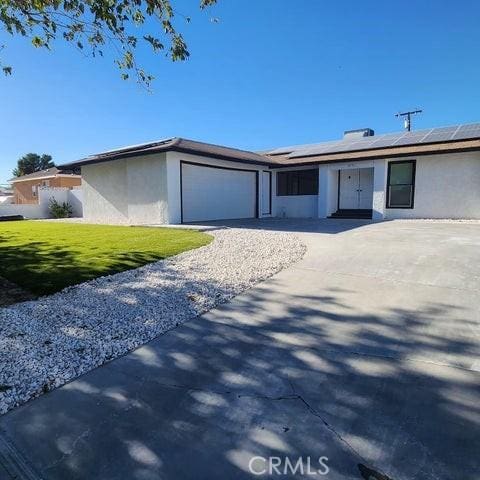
(299,225)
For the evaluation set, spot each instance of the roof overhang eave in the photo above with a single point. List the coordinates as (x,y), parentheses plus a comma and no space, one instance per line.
(173,148)
(391,152)
(45,177)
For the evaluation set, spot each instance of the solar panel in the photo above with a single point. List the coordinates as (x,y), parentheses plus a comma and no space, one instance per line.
(385,140)
(432,135)
(355,146)
(440,135)
(467,131)
(133,147)
(294,148)
(470,126)
(410,139)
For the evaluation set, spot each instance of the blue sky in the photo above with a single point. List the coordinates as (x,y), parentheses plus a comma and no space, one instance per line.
(269,73)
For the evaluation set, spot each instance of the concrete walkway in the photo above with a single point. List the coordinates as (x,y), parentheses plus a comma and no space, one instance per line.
(365,352)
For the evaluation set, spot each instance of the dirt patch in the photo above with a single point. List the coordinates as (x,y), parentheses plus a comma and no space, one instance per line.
(11,293)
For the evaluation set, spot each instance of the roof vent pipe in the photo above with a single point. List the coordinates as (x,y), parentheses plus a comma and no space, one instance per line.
(357,134)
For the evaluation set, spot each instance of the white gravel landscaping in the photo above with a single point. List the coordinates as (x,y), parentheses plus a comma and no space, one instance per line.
(49,341)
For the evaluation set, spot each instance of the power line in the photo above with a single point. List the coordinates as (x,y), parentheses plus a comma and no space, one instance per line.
(408,118)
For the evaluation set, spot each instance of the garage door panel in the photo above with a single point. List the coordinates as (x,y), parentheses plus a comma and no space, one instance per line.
(211,193)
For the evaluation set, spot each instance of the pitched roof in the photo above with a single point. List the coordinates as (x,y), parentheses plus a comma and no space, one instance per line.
(175,144)
(47,173)
(420,142)
(443,139)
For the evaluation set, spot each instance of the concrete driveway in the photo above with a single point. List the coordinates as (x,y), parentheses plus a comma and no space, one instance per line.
(366,352)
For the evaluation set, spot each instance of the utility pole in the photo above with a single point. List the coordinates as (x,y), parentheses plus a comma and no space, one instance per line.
(408,118)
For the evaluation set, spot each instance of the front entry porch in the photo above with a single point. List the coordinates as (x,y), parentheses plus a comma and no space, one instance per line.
(354,193)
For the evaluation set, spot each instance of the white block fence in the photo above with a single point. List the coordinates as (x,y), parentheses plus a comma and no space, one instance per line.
(41,210)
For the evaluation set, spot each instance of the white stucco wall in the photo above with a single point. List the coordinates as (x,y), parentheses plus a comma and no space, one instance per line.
(446,186)
(75,199)
(379,182)
(126,191)
(294,206)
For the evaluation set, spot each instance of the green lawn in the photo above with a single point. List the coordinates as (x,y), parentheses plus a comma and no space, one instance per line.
(44,257)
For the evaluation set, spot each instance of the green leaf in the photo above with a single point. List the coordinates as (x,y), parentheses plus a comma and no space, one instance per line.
(207,3)
(90,24)
(37,42)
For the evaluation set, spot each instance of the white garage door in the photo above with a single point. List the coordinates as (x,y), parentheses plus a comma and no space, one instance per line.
(215,193)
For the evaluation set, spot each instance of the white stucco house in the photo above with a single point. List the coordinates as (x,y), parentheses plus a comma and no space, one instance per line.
(432,173)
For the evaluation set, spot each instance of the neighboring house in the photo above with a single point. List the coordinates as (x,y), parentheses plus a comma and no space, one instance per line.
(6,195)
(431,173)
(25,188)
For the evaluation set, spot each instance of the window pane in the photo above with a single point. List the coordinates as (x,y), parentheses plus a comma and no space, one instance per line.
(401,173)
(400,196)
(281,183)
(297,182)
(293,183)
(308,184)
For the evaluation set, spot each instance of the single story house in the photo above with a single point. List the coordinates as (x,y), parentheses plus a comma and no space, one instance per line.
(25,188)
(432,173)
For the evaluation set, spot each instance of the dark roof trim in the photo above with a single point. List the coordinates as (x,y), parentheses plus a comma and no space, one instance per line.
(175,145)
(389,147)
(219,156)
(140,153)
(387,140)
(375,157)
(100,159)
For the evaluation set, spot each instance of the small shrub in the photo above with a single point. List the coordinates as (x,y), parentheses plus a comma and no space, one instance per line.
(60,210)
